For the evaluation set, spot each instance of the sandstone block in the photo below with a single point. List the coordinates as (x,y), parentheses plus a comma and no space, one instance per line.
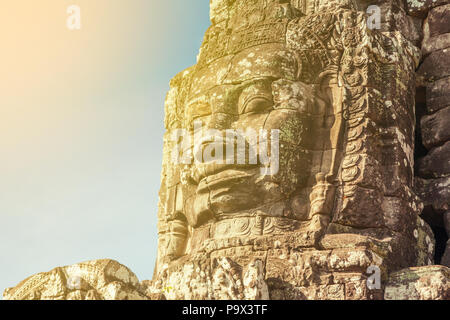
(394,18)
(437,20)
(434,192)
(420,8)
(438,95)
(435,66)
(436,164)
(435,130)
(422,283)
(435,43)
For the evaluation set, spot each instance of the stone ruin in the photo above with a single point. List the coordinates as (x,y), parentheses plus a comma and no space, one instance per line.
(358,207)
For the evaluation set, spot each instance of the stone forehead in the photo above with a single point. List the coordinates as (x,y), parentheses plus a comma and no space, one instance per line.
(302,35)
(220,42)
(272,61)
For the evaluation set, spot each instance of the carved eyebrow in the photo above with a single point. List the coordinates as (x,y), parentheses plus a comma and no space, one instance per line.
(196,110)
(254,96)
(257,80)
(260,82)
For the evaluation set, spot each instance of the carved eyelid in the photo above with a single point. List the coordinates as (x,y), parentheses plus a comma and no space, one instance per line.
(251,98)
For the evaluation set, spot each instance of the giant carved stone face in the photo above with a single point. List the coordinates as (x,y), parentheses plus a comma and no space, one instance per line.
(255,89)
(257,186)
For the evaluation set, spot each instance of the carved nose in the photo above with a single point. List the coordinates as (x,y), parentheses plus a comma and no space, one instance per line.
(216,141)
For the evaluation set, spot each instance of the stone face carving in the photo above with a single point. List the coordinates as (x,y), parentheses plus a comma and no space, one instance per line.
(288,163)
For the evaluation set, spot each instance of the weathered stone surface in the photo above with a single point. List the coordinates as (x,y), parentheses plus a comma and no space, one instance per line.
(309,274)
(437,20)
(438,95)
(420,8)
(91,280)
(423,283)
(436,66)
(224,279)
(435,128)
(435,43)
(395,18)
(435,192)
(436,30)
(436,164)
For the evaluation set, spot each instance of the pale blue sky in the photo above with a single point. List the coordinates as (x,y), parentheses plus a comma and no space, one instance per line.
(81,126)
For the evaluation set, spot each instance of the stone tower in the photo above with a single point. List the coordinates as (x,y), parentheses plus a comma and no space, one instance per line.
(341,94)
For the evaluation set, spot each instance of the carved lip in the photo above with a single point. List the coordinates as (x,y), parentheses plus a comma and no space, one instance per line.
(208,170)
(224,178)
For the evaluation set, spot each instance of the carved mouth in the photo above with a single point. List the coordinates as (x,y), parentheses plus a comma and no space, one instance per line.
(204,170)
(227,177)
(207,170)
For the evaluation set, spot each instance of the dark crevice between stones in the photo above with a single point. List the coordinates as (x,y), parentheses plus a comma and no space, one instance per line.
(441,243)
(436,222)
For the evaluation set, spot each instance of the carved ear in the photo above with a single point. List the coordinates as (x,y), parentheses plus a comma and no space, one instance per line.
(329,76)
(328,87)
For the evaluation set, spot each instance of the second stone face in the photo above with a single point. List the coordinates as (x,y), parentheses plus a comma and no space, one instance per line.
(91,280)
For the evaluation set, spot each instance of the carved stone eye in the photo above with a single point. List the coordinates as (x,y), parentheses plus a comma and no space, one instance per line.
(257,104)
